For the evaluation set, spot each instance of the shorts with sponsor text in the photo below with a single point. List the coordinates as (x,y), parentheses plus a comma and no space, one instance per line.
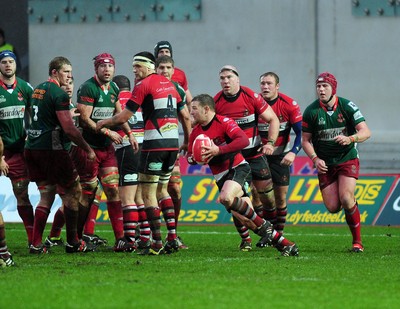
(157,162)
(128,162)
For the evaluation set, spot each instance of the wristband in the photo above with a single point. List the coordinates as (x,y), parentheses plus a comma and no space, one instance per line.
(271,142)
(352,139)
(130,133)
(314,159)
(107,132)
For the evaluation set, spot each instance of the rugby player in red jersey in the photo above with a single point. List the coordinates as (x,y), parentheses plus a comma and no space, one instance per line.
(164,48)
(289,114)
(245,106)
(165,66)
(230,169)
(160,101)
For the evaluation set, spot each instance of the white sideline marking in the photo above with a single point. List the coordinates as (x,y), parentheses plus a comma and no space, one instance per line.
(98,231)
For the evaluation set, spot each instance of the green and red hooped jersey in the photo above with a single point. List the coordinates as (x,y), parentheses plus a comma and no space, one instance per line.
(14,103)
(45,132)
(325,125)
(103,102)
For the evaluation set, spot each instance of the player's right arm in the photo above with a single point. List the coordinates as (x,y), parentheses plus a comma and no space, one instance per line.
(67,124)
(3,163)
(306,143)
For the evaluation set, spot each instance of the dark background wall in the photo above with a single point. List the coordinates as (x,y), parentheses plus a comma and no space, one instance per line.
(14,22)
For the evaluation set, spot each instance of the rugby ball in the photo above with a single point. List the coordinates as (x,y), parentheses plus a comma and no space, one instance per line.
(198,148)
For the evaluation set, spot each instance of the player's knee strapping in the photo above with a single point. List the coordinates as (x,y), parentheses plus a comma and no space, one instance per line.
(20,185)
(175,178)
(174,186)
(110,180)
(89,187)
(97,196)
(164,178)
(47,188)
(266,193)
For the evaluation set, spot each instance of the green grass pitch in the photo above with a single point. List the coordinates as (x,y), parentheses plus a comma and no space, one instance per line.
(212,273)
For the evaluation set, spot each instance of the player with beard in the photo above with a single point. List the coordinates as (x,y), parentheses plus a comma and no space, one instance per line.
(97,99)
(159,101)
(16,96)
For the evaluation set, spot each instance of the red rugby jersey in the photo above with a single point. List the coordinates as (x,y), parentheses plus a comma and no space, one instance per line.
(179,76)
(135,122)
(159,100)
(226,134)
(244,108)
(288,112)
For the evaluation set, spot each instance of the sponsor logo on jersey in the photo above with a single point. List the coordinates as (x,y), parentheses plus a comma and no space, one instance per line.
(34,133)
(38,94)
(321,121)
(353,106)
(357,115)
(165,89)
(102,112)
(245,119)
(12,112)
(330,134)
(168,127)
